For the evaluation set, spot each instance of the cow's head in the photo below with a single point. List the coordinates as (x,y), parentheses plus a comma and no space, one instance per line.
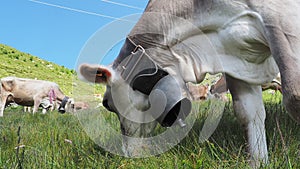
(141,94)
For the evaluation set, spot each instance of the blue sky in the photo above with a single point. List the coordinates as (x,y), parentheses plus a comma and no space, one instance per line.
(57,30)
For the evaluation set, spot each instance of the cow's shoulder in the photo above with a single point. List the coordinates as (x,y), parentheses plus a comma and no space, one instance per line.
(8,83)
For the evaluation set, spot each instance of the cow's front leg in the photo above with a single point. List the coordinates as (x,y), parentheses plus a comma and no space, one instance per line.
(1,109)
(3,99)
(248,106)
(37,102)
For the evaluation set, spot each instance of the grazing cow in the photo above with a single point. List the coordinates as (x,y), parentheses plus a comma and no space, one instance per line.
(247,40)
(29,92)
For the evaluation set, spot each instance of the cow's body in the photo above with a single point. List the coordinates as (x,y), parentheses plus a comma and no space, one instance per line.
(27,92)
(245,39)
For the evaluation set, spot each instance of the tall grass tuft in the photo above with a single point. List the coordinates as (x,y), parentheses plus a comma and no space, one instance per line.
(19,156)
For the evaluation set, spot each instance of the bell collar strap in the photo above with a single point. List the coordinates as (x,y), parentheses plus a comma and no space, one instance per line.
(139,70)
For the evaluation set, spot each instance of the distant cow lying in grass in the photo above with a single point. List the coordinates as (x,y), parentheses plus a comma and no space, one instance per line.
(75,106)
(29,92)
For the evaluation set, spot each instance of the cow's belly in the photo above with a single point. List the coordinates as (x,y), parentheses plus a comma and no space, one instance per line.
(24,101)
(244,38)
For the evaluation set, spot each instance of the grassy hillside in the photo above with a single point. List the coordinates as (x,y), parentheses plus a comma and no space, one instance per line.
(20,64)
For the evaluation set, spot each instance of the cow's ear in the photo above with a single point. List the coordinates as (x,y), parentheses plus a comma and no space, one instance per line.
(96,73)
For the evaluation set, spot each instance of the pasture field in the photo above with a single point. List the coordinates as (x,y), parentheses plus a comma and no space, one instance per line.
(58,141)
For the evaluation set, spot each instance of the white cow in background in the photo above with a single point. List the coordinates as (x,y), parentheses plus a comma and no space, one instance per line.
(30,92)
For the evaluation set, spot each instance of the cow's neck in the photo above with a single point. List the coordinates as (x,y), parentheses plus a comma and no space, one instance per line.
(125,51)
(165,23)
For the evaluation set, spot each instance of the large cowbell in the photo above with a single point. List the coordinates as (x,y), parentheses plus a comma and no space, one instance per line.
(167,103)
(168,92)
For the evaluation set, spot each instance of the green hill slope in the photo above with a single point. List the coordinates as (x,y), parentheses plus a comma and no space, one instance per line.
(20,64)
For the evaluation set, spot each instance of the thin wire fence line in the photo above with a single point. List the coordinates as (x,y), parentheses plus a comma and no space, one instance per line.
(79,10)
(121,4)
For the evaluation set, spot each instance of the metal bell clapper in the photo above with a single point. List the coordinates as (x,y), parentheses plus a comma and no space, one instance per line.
(181,123)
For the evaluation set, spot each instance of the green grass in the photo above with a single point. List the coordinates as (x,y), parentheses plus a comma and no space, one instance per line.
(45,145)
